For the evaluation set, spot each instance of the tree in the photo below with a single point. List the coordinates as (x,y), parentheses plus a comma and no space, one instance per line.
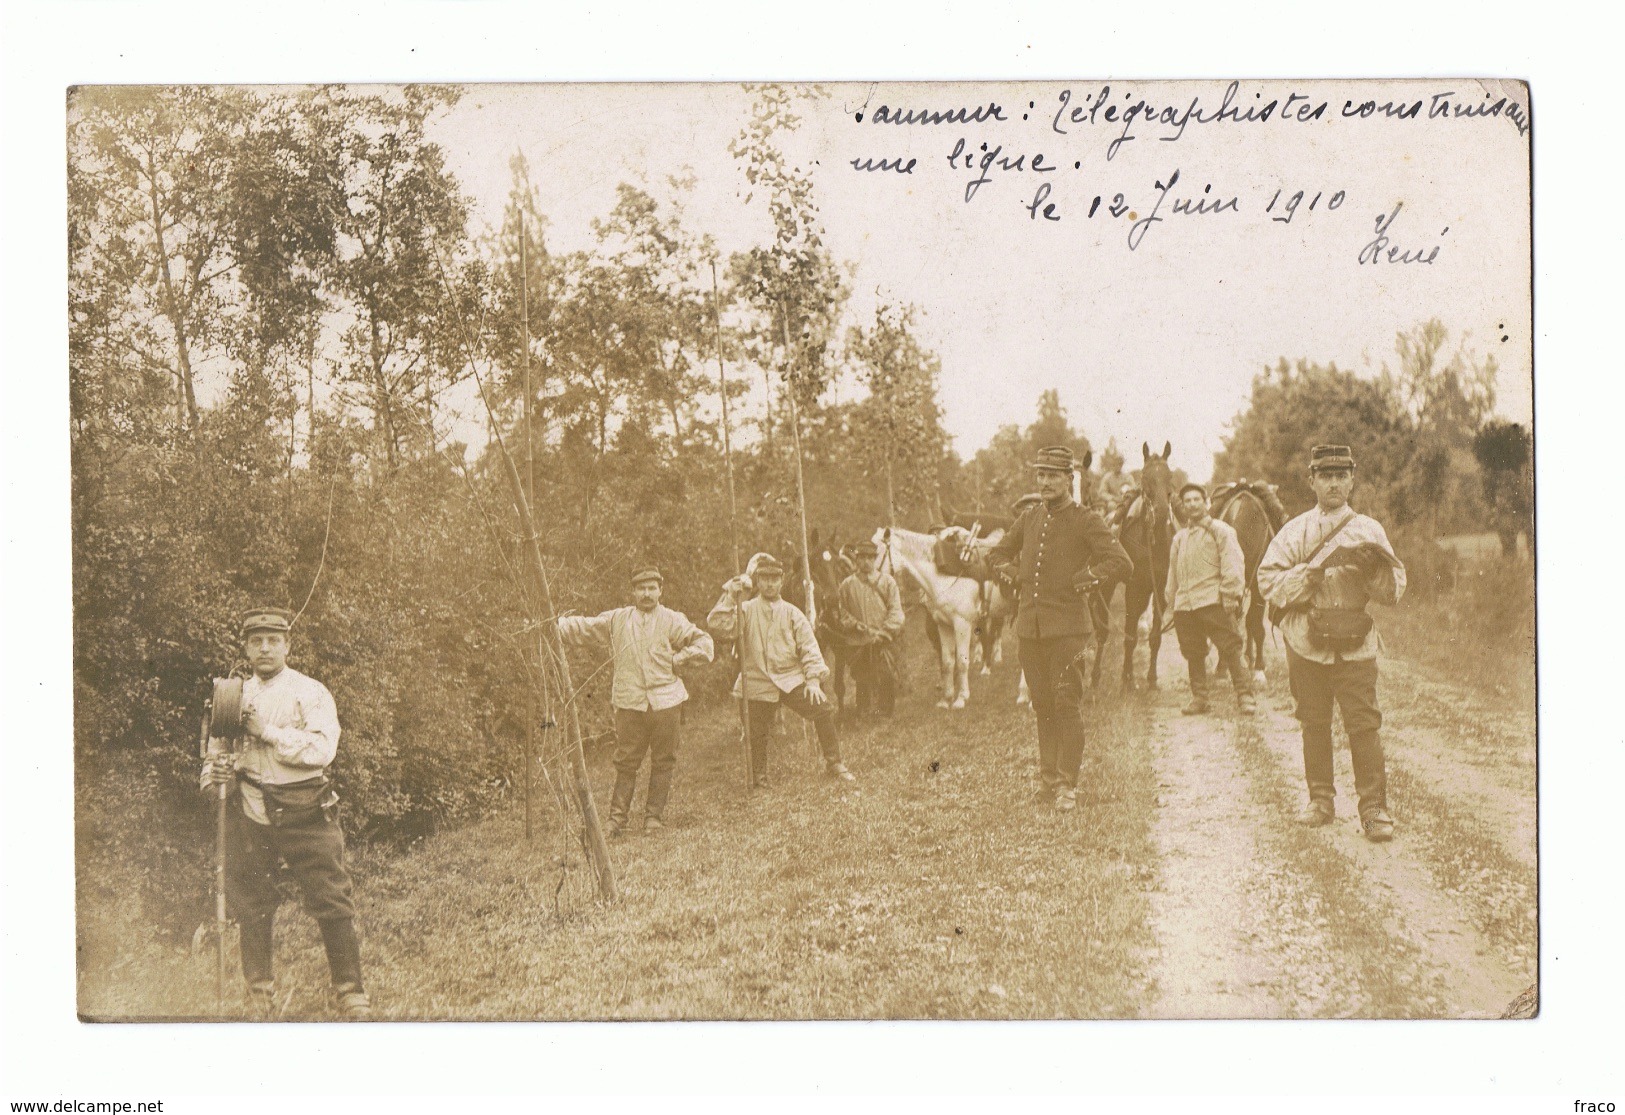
(1296,406)
(900,422)
(1003,470)
(1504,451)
(403,226)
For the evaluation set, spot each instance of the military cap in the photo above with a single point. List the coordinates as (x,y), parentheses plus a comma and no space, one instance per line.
(646,573)
(266,619)
(1192,487)
(1330,456)
(767,563)
(866,548)
(1056,458)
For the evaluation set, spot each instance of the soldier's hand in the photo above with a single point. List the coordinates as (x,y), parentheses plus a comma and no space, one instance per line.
(1232,605)
(218,768)
(815,692)
(253,726)
(739,585)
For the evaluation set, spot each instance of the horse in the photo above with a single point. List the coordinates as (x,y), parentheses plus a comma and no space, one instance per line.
(962,551)
(1147,534)
(954,603)
(826,569)
(1254,510)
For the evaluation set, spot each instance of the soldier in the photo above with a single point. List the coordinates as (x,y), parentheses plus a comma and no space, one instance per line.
(869,614)
(1321,571)
(286,810)
(1063,552)
(648,644)
(1206,579)
(780,663)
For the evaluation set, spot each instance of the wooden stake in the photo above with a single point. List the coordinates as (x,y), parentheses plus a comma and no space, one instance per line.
(733,531)
(597,847)
(530,494)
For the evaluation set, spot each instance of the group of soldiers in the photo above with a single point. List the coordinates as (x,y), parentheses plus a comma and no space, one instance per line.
(1056,554)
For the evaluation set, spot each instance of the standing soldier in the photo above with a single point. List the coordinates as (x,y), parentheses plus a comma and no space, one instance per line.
(647,645)
(1206,579)
(286,810)
(1321,571)
(779,664)
(1063,551)
(869,614)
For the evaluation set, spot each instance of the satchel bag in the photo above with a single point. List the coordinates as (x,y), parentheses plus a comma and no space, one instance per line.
(298,803)
(1339,629)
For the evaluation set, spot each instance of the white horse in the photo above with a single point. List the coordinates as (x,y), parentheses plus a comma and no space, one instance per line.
(955,605)
(997,609)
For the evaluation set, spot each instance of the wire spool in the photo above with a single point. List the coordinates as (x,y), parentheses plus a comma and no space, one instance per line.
(226,708)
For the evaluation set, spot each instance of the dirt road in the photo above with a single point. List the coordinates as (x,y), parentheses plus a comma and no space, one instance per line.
(1257,917)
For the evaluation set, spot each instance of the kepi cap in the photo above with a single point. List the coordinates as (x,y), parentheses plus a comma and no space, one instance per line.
(766,563)
(1192,487)
(1330,456)
(866,547)
(266,619)
(646,573)
(1055,458)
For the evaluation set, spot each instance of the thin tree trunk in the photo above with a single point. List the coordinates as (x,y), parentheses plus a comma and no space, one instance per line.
(187,403)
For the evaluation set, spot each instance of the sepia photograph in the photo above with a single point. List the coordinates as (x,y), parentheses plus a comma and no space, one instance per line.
(763,559)
(1040,550)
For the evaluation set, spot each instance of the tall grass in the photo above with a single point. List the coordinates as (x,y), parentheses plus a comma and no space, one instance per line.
(1480,633)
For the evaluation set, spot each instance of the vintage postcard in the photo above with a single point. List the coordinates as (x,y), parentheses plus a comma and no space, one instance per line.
(1048,550)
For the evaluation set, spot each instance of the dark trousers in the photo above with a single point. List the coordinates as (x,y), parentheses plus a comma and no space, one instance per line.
(652,732)
(314,853)
(876,675)
(1054,671)
(1195,629)
(762,714)
(1351,686)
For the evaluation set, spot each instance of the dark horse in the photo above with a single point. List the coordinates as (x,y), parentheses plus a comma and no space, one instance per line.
(1147,534)
(1255,511)
(828,567)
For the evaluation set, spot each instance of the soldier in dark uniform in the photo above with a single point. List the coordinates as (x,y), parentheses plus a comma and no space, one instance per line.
(1061,551)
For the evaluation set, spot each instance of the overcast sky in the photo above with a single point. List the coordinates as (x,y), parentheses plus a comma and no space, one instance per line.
(1159,343)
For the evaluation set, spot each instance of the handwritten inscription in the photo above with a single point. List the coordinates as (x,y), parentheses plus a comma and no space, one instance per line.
(1037,146)
(1382,249)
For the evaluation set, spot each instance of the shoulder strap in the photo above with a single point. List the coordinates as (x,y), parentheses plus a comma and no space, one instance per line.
(1327,541)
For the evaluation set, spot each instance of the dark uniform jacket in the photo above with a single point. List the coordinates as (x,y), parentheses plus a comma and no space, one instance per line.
(1054,547)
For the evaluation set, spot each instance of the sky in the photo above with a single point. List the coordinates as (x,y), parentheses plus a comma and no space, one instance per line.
(1155,344)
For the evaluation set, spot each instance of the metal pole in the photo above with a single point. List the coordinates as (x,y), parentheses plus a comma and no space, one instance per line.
(733,532)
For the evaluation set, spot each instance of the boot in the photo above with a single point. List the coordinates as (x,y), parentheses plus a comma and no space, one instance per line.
(1198,705)
(344,963)
(654,806)
(343,952)
(620,801)
(255,945)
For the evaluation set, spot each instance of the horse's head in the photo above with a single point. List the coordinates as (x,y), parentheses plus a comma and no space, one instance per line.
(826,564)
(1156,478)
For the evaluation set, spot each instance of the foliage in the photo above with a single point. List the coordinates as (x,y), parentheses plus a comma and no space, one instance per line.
(1003,472)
